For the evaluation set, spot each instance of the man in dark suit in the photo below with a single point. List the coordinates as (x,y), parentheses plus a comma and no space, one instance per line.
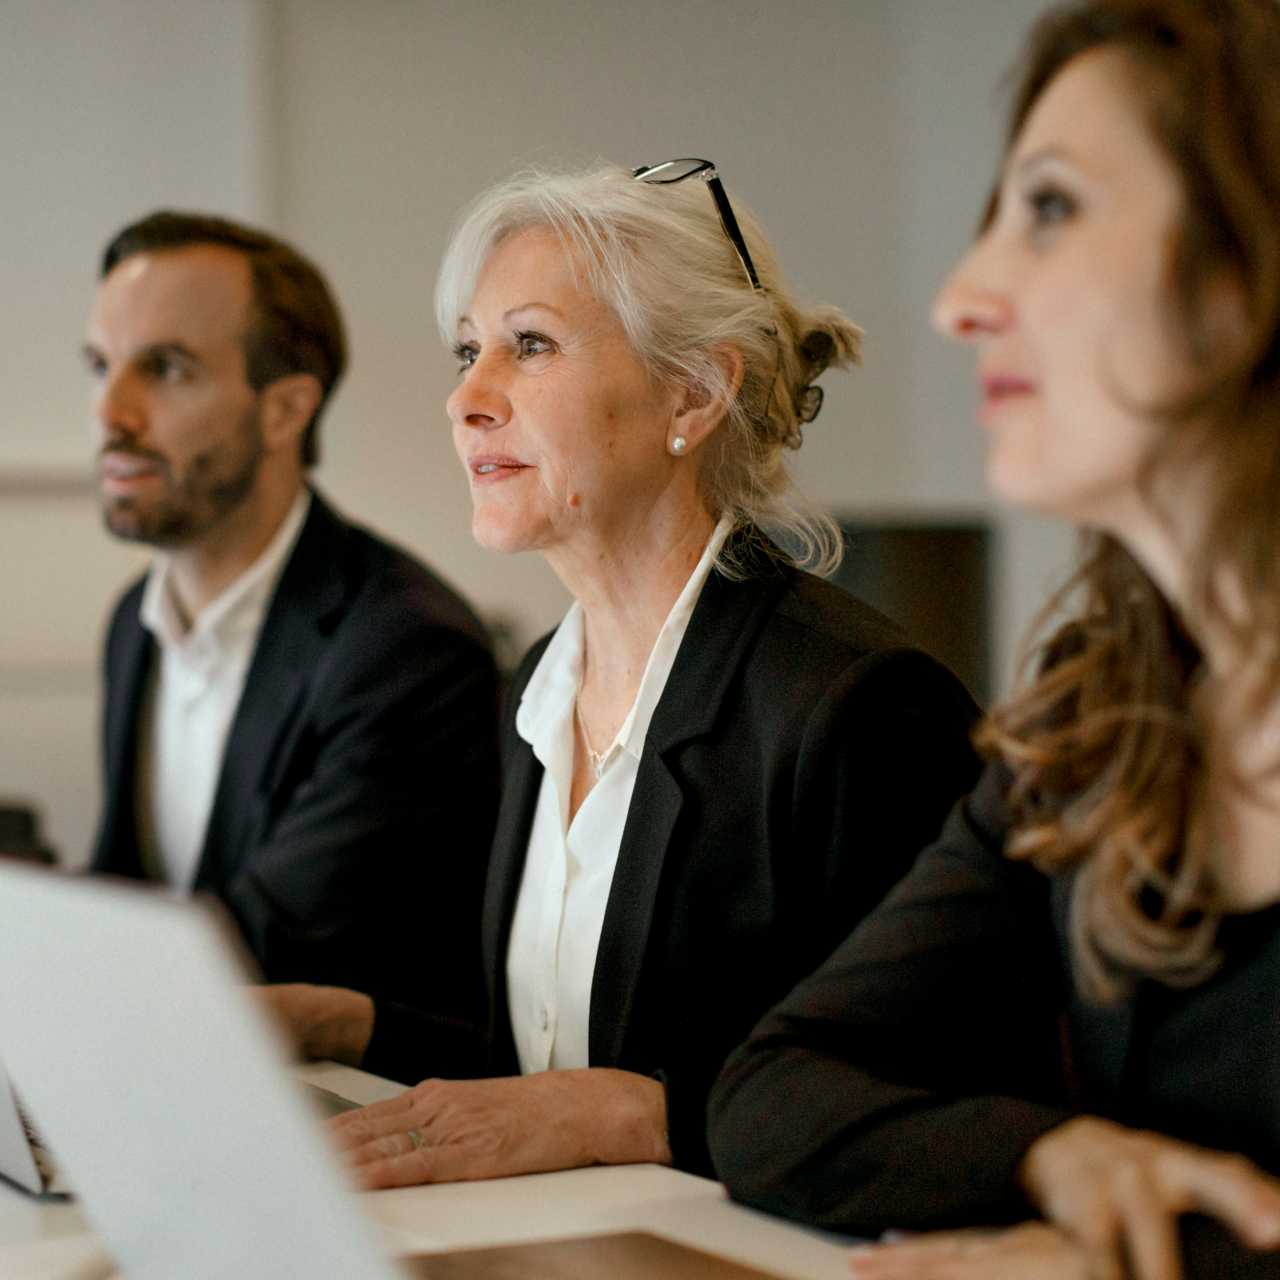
(300,718)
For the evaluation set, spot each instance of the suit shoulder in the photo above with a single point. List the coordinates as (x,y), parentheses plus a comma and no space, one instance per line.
(831,616)
(397,579)
(839,639)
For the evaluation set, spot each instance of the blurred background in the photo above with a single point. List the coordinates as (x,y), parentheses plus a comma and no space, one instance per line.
(865,133)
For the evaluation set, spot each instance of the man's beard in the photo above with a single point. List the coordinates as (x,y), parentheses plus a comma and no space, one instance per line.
(215,482)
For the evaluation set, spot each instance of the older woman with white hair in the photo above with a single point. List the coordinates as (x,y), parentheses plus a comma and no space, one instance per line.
(717,763)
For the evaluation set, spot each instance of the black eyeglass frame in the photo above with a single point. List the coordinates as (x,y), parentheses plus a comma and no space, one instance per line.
(706,170)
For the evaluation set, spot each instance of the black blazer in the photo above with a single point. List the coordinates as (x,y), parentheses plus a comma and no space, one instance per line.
(801,754)
(902,1084)
(360,775)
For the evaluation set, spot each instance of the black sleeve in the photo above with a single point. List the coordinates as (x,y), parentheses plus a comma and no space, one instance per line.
(901,1084)
(1211,1252)
(409,1044)
(884,758)
(880,759)
(369,865)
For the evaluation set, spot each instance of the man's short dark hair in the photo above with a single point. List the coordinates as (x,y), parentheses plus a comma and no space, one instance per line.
(296,326)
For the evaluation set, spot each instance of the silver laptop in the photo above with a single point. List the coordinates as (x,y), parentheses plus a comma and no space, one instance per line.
(24,1158)
(165,1091)
(27,1161)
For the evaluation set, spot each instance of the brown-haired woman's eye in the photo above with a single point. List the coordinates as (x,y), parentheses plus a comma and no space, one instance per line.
(1050,205)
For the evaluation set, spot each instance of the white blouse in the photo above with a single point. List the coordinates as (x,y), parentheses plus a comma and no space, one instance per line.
(568,868)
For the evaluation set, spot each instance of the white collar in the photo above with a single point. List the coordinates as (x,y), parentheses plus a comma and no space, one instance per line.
(237,610)
(549,697)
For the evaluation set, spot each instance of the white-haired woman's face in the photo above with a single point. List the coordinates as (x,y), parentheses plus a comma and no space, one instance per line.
(559,426)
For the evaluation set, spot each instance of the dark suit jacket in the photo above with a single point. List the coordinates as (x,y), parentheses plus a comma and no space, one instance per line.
(801,754)
(902,1084)
(352,819)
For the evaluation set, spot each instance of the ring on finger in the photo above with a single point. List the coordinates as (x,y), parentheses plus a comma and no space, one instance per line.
(416,1139)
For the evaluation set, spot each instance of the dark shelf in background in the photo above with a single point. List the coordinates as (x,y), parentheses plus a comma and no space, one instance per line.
(933,578)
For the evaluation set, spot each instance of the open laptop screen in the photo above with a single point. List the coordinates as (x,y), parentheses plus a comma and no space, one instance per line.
(164,1090)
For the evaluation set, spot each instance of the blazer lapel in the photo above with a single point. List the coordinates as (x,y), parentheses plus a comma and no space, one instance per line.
(720,635)
(310,595)
(117,847)
(655,808)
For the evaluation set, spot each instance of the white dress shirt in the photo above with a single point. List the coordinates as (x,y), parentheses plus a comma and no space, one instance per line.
(191,700)
(569,868)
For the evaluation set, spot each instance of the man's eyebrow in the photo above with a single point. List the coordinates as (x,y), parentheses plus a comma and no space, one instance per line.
(180,349)
(148,352)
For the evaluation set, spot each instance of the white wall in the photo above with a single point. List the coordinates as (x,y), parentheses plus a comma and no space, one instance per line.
(864,132)
(107,108)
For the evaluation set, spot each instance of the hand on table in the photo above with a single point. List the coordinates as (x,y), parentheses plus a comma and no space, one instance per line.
(321,1022)
(460,1130)
(1032,1249)
(1119,1192)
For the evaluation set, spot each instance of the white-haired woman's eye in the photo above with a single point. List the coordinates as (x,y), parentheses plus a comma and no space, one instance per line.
(465,354)
(529,344)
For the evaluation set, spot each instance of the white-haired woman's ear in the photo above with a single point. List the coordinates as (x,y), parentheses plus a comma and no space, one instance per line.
(703,409)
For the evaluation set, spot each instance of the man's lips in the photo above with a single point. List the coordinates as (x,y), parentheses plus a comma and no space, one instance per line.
(126,470)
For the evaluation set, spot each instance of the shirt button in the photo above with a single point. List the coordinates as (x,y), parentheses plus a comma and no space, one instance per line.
(546,1018)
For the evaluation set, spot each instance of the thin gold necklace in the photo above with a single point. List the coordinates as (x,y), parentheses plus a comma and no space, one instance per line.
(595,758)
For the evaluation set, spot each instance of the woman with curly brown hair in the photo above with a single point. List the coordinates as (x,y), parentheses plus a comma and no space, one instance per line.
(1112,889)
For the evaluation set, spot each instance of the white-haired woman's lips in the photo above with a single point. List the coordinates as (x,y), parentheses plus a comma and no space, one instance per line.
(487,469)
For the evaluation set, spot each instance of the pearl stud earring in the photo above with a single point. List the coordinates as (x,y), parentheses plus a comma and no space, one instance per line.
(678,445)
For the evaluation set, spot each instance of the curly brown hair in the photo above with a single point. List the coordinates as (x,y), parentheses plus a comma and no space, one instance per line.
(1108,740)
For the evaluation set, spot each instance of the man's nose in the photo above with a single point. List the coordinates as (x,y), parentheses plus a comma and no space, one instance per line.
(119,408)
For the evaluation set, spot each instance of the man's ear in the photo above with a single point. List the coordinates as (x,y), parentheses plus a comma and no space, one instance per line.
(701,411)
(288,404)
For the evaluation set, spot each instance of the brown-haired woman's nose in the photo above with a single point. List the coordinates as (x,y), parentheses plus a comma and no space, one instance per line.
(966,310)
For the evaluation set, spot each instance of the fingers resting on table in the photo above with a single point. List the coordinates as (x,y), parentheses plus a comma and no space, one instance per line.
(1032,1249)
(320,1022)
(1119,1193)
(459,1130)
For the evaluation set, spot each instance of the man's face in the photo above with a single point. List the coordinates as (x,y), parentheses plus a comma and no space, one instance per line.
(177,424)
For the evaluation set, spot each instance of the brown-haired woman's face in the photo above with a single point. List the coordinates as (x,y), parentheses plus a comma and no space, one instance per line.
(1065,297)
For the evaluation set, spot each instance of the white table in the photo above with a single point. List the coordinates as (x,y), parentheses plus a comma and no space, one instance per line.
(54,1241)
